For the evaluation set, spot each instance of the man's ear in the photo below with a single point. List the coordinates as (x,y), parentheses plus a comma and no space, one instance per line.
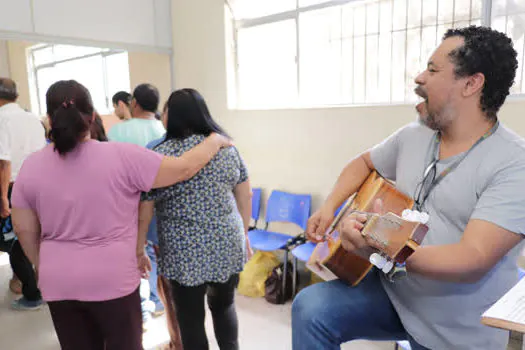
(474,84)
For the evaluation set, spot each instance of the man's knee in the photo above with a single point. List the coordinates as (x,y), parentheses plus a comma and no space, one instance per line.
(308,306)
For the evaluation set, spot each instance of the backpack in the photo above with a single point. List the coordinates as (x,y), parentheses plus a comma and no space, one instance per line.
(273,290)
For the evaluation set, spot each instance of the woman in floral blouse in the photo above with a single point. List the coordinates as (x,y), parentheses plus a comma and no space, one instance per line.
(202,226)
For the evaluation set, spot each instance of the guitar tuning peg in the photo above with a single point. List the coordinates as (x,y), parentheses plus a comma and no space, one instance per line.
(424,217)
(377,260)
(406,214)
(388,266)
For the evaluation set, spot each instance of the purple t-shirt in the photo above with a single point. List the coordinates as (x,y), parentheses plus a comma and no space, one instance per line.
(87,203)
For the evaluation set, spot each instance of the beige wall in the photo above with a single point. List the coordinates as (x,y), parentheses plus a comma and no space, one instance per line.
(300,150)
(153,68)
(4,59)
(144,67)
(18,70)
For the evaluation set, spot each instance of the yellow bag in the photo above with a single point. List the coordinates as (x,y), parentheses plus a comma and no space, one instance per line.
(255,273)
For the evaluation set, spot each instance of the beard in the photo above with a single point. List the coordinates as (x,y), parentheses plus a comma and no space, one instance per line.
(434,118)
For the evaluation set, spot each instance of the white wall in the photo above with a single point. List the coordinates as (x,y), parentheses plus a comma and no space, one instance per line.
(144,23)
(300,150)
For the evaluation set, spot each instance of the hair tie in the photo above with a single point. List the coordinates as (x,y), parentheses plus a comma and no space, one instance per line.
(67,104)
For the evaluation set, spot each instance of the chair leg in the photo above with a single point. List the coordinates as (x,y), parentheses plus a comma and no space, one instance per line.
(294,277)
(285,272)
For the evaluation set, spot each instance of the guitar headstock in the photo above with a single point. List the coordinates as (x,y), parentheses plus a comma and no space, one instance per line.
(392,233)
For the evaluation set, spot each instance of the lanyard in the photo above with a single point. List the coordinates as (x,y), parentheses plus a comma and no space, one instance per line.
(435,159)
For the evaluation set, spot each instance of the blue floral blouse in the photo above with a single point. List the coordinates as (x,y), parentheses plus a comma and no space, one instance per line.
(201,233)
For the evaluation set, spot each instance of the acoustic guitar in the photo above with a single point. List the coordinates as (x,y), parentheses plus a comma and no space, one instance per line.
(398,238)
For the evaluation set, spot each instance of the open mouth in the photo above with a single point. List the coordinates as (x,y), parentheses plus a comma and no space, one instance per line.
(421,94)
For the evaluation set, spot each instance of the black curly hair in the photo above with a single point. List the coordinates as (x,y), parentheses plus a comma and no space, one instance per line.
(488,52)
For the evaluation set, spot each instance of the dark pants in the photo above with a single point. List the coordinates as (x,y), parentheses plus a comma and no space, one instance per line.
(189,305)
(23,269)
(20,264)
(100,325)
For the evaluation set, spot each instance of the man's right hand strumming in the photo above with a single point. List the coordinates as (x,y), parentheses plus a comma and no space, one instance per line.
(319,223)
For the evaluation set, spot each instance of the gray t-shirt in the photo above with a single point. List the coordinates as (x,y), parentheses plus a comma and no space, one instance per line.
(489,184)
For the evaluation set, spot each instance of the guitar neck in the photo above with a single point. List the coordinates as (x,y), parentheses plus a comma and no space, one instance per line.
(412,245)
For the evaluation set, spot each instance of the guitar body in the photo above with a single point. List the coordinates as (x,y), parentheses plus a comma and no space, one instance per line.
(400,238)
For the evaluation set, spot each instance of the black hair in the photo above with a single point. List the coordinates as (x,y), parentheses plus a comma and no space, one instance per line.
(122,96)
(147,97)
(8,90)
(189,115)
(97,129)
(488,52)
(70,108)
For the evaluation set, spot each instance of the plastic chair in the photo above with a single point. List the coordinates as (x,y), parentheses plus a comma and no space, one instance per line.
(256,206)
(302,251)
(281,207)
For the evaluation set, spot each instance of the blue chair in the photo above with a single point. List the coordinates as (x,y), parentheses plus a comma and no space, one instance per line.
(281,207)
(256,206)
(303,251)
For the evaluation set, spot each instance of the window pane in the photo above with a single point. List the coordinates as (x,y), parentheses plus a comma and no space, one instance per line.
(88,72)
(267,65)
(359,70)
(398,66)
(414,13)
(413,63)
(359,20)
(515,7)
(385,61)
(430,8)
(303,3)
(477,7)
(45,78)
(400,14)
(372,18)
(428,44)
(43,55)
(386,16)
(320,43)
(446,11)
(462,10)
(372,66)
(117,74)
(516,31)
(64,52)
(499,7)
(347,71)
(245,9)
(500,24)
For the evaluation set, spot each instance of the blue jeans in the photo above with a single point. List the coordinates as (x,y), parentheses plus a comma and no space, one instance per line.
(154,295)
(328,314)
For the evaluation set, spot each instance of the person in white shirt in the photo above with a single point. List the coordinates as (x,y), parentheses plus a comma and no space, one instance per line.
(21,133)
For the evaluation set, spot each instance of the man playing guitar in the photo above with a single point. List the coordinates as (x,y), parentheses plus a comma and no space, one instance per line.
(467,171)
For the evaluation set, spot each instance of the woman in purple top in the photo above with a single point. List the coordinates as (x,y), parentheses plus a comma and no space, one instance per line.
(75,210)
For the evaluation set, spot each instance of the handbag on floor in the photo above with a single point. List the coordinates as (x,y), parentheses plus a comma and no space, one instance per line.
(273,291)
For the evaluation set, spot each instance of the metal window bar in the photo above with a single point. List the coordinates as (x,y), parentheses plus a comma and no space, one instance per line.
(103,53)
(294,14)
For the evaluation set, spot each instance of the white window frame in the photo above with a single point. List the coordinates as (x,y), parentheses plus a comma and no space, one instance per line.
(34,86)
(486,18)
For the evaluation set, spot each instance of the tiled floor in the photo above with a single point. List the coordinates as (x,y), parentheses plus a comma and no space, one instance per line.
(262,326)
